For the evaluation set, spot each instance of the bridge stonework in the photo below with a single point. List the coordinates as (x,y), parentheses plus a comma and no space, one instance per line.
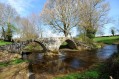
(53,44)
(48,44)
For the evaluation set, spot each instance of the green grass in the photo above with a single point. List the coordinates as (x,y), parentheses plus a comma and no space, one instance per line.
(4,64)
(12,62)
(4,43)
(107,40)
(89,74)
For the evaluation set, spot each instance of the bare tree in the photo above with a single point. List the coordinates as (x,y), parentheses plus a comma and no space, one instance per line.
(36,21)
(7,16)
(61,15)
(26,29)
(93,14)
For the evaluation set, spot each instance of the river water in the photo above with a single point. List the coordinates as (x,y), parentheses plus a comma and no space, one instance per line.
(68,61)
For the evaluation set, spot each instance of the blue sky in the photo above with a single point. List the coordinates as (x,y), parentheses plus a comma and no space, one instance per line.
(27,7)
(114,14)
(114,8)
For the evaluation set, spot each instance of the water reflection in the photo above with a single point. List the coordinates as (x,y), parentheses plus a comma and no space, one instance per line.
(60,64)
(40,56)
(106,52)
(57,65)
(25,56)
(75,63)
(69,61)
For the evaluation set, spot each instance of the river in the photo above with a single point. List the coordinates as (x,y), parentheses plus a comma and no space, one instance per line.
(68,61)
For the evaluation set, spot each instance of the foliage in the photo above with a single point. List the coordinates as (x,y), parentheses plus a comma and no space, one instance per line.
(107,40)
(80,37)
(9,32)
(90,33)
(113,32)
(7,16)
(86,40)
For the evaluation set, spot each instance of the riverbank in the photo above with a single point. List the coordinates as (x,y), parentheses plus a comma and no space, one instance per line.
(71,62)
(101,70)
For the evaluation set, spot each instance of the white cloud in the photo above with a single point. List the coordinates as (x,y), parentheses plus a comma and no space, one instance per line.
(23,7)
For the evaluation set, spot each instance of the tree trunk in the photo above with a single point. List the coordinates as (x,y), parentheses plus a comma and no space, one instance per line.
(65,33)
(65,30)
(3,34)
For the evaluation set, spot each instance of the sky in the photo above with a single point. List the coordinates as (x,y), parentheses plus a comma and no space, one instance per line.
(114,15)
(27,7)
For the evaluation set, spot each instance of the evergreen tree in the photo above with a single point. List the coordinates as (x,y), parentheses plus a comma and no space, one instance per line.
(9,32)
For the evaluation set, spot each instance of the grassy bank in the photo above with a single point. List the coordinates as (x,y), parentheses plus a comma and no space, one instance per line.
(7,59)
(92,73)
(12,62)
(107,40)
(88,74)
(4,43)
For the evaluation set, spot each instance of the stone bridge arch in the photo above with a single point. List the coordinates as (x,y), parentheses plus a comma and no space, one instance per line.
(38,42)
(53,44)
(71,44)
(42,45)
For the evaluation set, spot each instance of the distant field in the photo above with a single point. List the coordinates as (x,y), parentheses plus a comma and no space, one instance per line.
(107,40)
(4,43)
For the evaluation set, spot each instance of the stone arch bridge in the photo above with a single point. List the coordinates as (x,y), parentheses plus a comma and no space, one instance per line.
(48,44)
